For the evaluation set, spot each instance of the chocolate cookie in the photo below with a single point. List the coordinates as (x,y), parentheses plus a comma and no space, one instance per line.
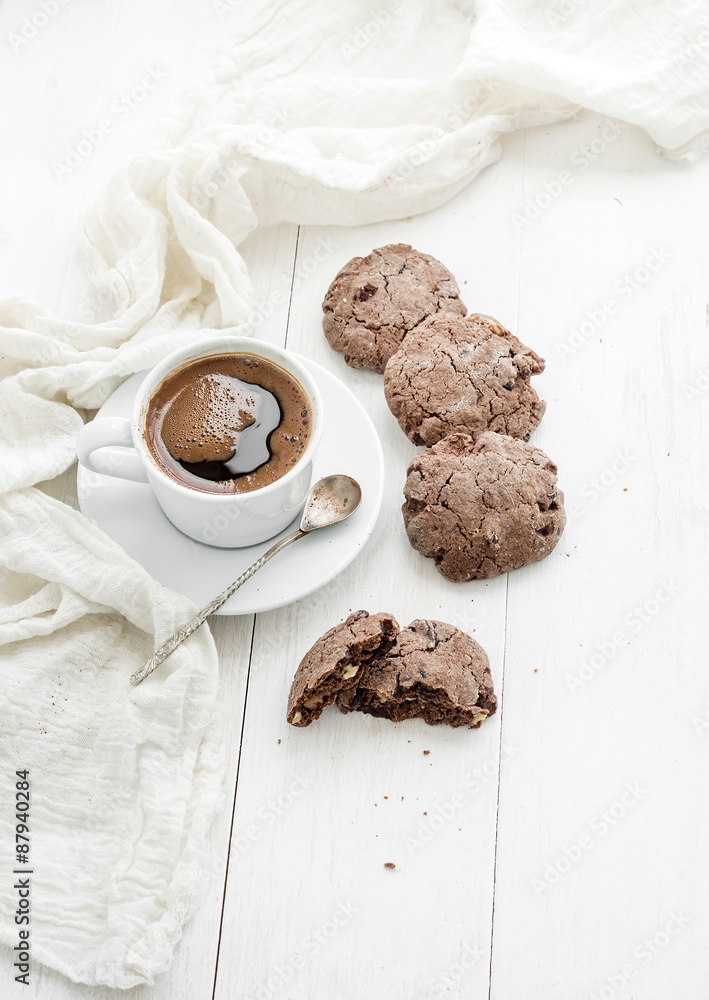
(470,375)
(375,301)
(335,663)
(482,508)
(434,672)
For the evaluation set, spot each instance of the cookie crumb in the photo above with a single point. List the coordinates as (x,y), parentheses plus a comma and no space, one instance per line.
(389,864)
(279,741)
(426,752)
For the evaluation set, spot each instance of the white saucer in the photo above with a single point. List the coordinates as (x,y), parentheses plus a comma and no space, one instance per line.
(129,513)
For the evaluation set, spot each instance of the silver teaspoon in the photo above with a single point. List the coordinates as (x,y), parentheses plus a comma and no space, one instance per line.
(330,500)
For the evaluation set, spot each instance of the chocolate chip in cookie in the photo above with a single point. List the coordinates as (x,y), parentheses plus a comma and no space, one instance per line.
(433,671)
(469,375)
(482,508)
(375,301)
(335,663)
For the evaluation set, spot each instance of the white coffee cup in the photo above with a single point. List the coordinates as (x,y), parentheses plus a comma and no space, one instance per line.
(117,446)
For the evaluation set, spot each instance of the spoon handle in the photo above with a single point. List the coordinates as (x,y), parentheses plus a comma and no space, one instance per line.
(179,637)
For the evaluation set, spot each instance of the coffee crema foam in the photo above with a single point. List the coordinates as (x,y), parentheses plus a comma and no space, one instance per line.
(228,423)
(219,418)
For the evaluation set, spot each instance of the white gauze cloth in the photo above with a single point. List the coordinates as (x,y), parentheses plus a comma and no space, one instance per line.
(320,112)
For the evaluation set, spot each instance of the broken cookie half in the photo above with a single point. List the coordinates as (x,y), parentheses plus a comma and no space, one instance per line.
(434,672)
(336,661)
(429,670)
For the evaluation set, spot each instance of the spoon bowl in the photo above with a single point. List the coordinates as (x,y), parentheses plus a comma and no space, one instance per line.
(331,500)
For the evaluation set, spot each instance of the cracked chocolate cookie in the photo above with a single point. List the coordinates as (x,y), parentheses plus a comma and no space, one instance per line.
(481,508)
(469,375)
(375,301)
(433,671)
(335,663)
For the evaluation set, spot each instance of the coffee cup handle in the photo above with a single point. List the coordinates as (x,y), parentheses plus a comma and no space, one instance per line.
(105,446)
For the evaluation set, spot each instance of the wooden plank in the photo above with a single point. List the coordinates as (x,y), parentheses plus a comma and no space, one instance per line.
(320,811)
(600,819)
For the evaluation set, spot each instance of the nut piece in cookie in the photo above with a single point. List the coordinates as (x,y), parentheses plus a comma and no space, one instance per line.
(375,301)
(469,375)
(335,663)
(481,508)
(434,672)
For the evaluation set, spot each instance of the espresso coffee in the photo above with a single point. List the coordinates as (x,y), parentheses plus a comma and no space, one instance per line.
(230,423)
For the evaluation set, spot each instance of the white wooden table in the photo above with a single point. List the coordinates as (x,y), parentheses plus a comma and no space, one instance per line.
(560,851)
